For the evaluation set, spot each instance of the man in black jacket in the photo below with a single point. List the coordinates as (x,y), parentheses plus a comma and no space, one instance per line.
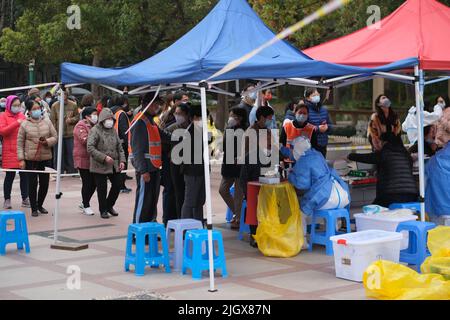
(396,183)
(193,168)
(230,167)
(122,124)
(147,162)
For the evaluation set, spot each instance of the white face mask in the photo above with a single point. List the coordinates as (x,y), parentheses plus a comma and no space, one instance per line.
(16,110)
(94,119)
(232,122)
(109,124)
(198,123)
(48,100)
(180,119)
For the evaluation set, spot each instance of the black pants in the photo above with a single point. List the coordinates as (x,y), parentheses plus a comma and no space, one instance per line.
(124,175)
(101,181)
(67,156)
(194,198)
(147,194)
(88,186)
(178,187)
(8,183)
(322,150)
(169,199)
(37,198)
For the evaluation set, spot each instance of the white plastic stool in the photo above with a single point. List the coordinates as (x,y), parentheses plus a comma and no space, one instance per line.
(180,226)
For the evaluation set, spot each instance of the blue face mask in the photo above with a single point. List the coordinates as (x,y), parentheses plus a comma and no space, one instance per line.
(315,99)
(301,118)
(269,124)
(253,95)
(36,114)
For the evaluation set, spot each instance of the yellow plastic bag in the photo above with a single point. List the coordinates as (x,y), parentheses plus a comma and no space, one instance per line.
(387,280)
(439,245)
(279,233)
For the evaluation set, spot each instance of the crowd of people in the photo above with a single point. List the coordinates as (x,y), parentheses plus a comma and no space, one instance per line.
(99,140)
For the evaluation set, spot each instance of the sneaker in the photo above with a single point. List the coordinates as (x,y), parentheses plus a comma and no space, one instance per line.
(235,225)
(113,212)
(42,210)
(81,207)
(104,215)
(35,214)
(7,204)
(88,211)
(26,203)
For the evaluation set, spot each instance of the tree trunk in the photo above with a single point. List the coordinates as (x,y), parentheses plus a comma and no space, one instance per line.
(222,108)
(2,14)
(95,89)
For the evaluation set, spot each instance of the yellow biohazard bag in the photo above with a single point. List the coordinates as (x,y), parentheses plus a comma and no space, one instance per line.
(392,281)
(386,280)
(439,245)
(279,233)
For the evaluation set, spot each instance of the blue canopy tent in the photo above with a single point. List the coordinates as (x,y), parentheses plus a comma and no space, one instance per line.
(228,32)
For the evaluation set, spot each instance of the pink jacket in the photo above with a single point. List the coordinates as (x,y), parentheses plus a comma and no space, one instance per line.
(80,136)
(9,129)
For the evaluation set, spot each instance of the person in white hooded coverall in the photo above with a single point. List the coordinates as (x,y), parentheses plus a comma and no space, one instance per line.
(323,187)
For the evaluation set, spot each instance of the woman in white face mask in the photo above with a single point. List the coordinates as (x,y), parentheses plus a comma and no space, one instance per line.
(107,160)
(81,156)
(35,140)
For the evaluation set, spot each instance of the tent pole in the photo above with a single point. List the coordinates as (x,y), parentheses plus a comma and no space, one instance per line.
(419,91)
(208,189)
(59,161)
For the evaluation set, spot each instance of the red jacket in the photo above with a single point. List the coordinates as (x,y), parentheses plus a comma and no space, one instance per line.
(9,129)
(81,157)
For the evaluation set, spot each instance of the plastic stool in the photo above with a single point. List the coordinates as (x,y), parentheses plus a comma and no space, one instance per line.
(229,216)
(417,251)
(179,226)
(414,206)
(197,259)
(141,258)
(330,217)
(18,236)
(243,228)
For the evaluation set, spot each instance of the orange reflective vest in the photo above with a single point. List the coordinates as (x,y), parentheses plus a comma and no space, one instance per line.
(154,143)
(116,126)
(292,132)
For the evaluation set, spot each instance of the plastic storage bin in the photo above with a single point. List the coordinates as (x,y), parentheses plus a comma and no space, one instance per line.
(386,223)
(354,252)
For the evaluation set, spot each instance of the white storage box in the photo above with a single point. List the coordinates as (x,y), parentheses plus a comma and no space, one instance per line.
(269,180)
(386,223)
(354,252)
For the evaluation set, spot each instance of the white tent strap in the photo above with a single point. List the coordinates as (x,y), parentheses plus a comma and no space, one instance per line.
(51,84)
(144,111)
(112,89)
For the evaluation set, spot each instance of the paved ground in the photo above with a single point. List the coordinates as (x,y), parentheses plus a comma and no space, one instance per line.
(42,274)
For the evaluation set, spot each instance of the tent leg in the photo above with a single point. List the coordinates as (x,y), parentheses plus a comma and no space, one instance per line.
(59,162)
(56,245)
(208,190)
(419,84)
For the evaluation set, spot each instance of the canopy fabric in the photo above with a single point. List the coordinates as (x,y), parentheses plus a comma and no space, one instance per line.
(418,28)
(231,30)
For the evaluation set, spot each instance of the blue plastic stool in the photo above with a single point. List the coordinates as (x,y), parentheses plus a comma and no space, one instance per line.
(197,259)
(229,216)
(18,236)
(180,226)
(417,251)
(243,228)
(330,217)
(414,206)
(142,258)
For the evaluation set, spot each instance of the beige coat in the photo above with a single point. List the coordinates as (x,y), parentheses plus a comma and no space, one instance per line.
(71,117)
(28,146)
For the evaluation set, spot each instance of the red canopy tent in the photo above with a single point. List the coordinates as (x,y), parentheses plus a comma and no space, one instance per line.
(418,28)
